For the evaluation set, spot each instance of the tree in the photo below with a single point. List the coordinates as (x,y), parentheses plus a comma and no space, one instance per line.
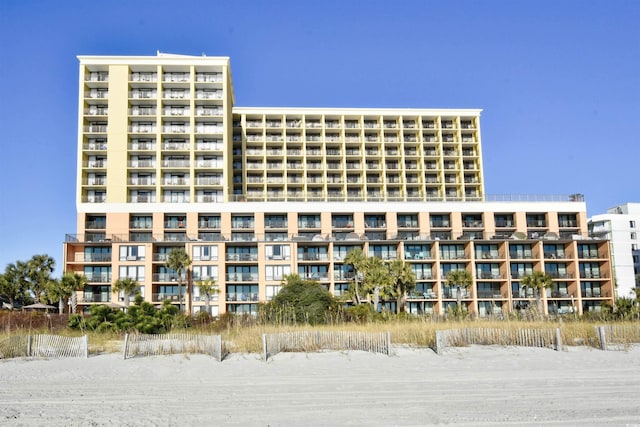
(39,269)
(55,292)
(356,259)
(538,280)
(208,288)
(376,280)
(461,279)
(14,283)
(179,261)
(404,281)
(302,301)
(73,282)
(128,286)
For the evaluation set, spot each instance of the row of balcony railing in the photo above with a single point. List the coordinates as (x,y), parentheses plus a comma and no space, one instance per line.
(430,294)
(355,138)
(151,77)
(355,124)
(250,236)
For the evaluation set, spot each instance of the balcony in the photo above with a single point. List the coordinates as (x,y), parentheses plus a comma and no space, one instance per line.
(209,94)
(98,278)
(241,277)
(241,256)
(102,297)
(175,146)
(241,297)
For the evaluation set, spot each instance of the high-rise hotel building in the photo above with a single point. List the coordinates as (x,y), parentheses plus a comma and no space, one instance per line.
(165,160)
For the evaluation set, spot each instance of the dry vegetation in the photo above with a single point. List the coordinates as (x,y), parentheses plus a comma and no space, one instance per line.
(244,335)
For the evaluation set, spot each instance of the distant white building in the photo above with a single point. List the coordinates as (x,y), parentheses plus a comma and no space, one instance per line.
(621,226)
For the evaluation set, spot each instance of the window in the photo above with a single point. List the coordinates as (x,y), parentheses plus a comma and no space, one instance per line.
(98,222)
(422,271)
(198,296)
(536,220)
(242,293)
(385,252)
(587,251)
(308,221)
(407,220)
(452,252)
(438,221)
(275,221)
(278,252)
(556,270)
(242,253)
(520,251)
(205,272)
(567,220)
(272,291)
(135,272)
(447,268)
(590,270)
(521,269)
(342,221)
(374,221)
(313,272)
(488,271)
(97,254)
(341,251)
(98,274)
(242,221)
(132,253)
(633,235)
(484,251)
(205,253)
(141,221)
(209,221)
(632,224)
(277,272)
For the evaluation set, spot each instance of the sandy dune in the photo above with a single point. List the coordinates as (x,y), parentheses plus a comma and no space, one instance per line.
(465,386)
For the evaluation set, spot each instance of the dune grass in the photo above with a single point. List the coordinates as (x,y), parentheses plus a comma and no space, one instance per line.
(244,335)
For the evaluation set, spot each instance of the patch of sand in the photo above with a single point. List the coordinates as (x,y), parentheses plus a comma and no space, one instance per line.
(478,385)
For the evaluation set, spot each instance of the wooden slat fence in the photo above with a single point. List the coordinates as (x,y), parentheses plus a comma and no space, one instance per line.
(618,335)
(159,344)
(47,346)
(309,341)
(488,336)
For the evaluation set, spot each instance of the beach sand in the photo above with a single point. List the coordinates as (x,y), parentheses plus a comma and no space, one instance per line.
(478,385)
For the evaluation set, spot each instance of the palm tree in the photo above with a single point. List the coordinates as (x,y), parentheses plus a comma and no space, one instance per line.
(538,280)
(376,280)
(357,259)
(55,292)
(128,286)
(404,281)
(460,279)
(39,269)
(14,282)
(73,282)
(178,261)
(208,288)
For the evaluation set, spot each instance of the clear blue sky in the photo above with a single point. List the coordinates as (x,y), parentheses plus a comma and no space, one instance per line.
(559,83)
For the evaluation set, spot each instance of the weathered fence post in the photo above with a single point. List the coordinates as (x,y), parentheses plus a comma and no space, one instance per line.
(29,345)
(264,347)
(86,346)
(558,340)
(388,343)
(441,341)
(600,331)
(125,347)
